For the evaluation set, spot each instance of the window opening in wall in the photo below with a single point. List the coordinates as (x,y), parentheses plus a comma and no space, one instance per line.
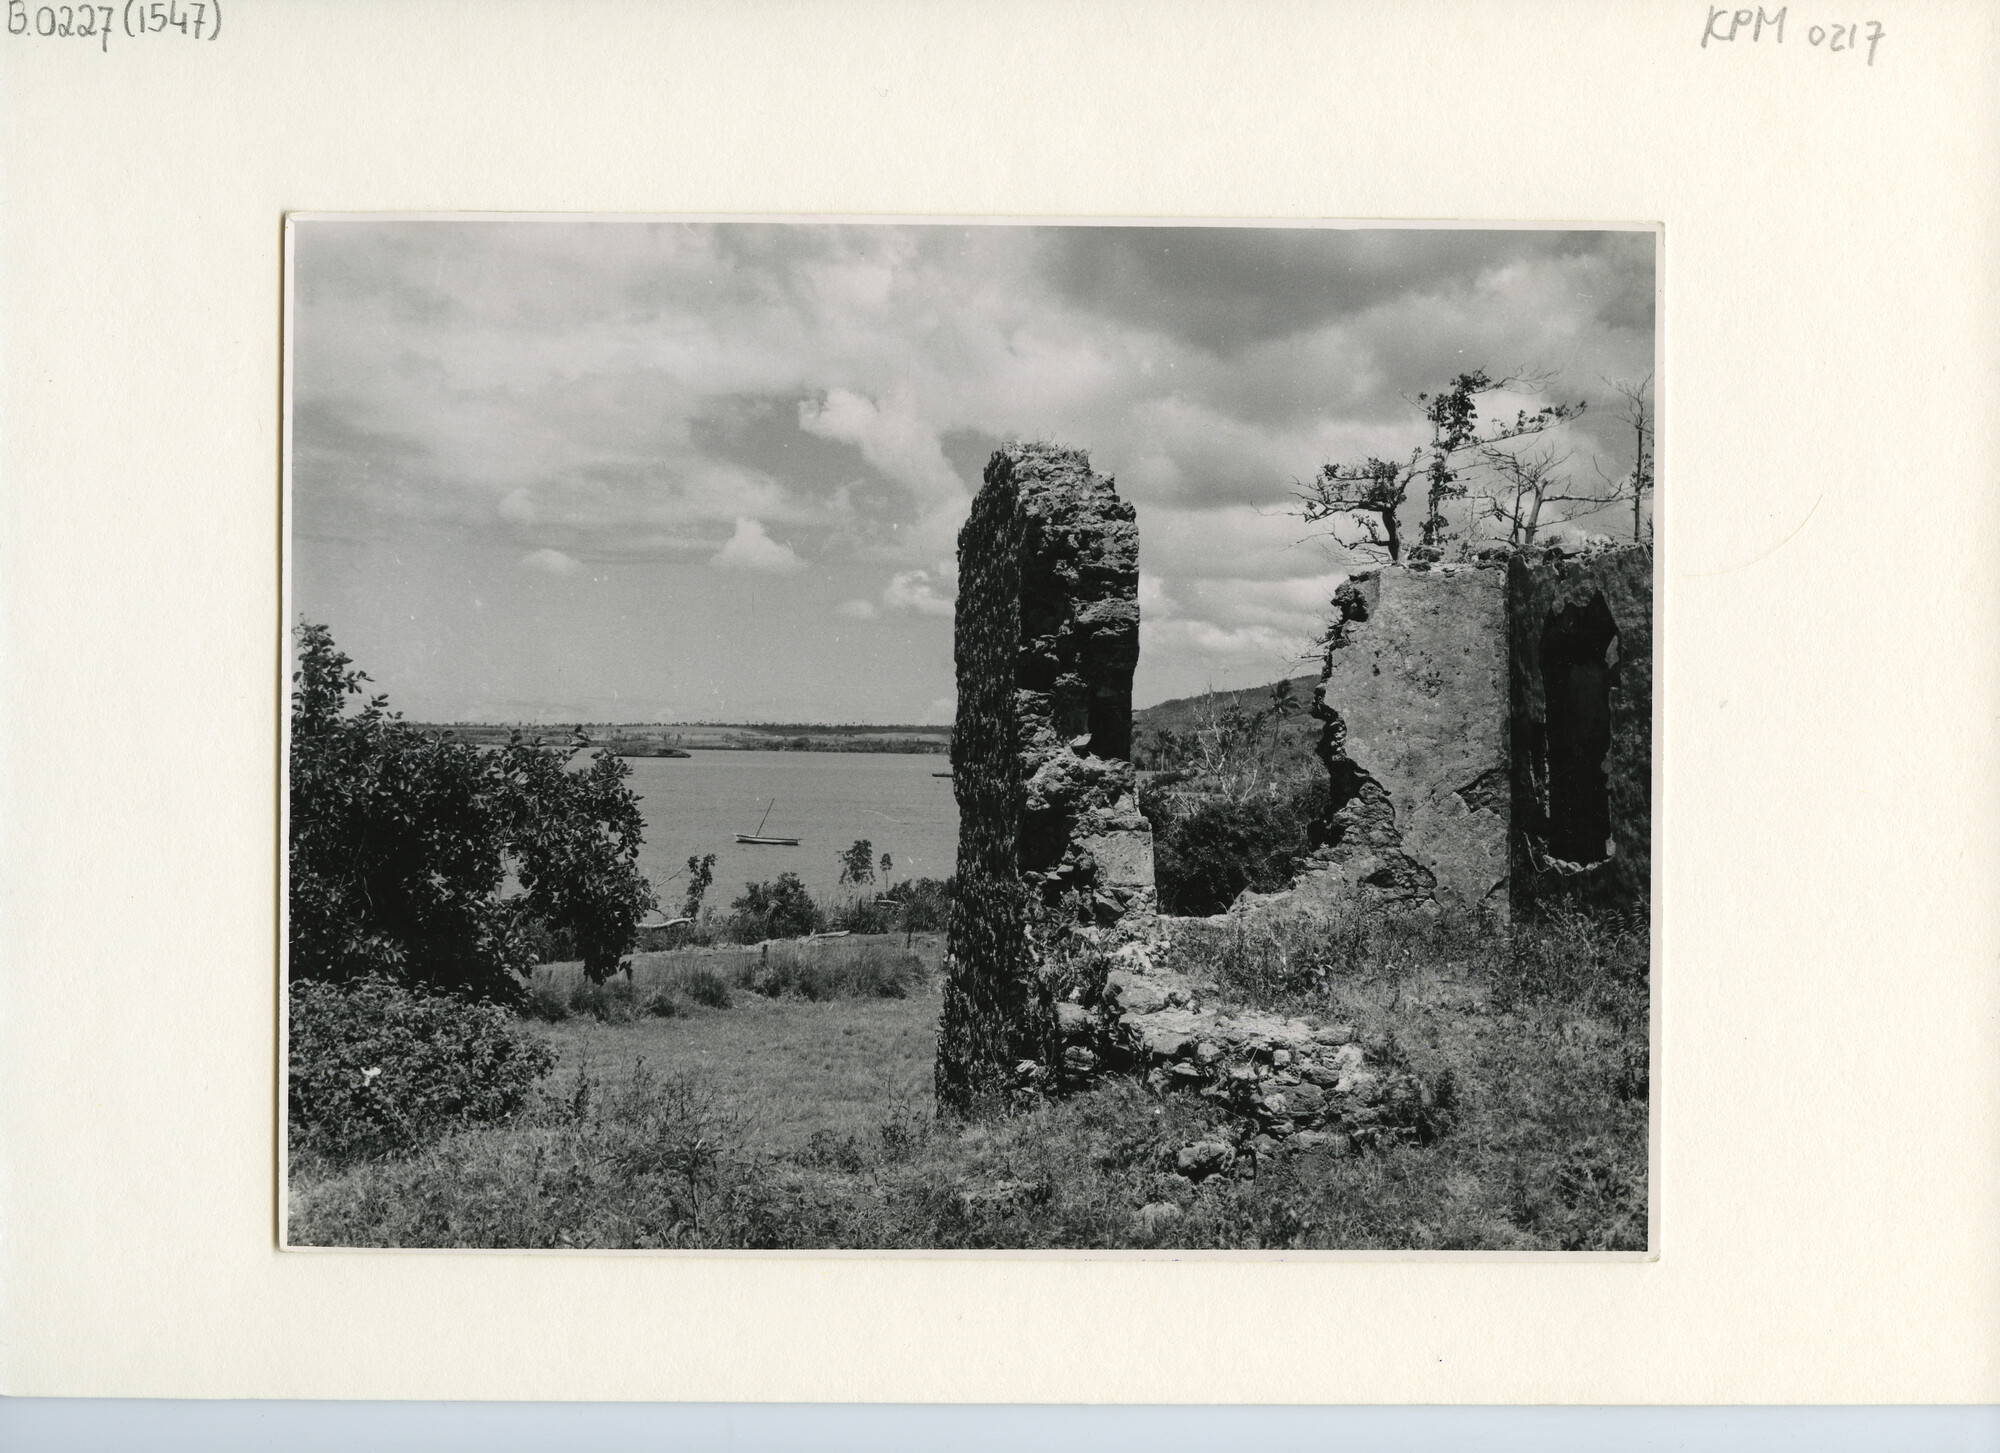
(1111,721)
(1579,668)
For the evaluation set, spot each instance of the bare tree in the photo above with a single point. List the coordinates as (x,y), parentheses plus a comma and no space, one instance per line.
(1371,494)
(1528,483)
(1638,414)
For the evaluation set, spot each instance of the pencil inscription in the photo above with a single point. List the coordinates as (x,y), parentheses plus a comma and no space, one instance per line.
(197,20)
(1727,26)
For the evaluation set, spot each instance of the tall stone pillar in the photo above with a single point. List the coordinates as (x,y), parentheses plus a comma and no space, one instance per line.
(1049,824)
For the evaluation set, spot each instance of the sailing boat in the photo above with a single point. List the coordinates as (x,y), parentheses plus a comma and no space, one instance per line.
(758,836)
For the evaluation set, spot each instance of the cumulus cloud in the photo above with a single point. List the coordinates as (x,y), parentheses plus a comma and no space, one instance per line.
(858,610)
(890,436)
(752,548)
(913,590)
(636,393)
(551,562)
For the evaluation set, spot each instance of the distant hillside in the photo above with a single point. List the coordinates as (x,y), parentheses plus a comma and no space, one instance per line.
(1284,737)
(1184,712)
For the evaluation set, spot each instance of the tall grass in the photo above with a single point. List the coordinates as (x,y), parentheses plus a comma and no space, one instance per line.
(1541,1031)
(675,982)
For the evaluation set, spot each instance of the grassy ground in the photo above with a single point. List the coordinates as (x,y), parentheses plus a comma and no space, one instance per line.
(785,1122)
(784,1069)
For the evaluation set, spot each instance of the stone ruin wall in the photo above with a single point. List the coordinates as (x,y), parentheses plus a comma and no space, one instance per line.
(1580,640)
(1433,677)
(1047,637)
(1412,702)
(1455,781)
(1052,847)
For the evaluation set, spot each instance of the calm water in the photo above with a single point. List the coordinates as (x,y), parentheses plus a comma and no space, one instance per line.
(824,799)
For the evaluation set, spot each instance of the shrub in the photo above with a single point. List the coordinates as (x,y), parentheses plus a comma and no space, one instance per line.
(832,971)
(1209,847)
(864,915)
(780,909)
(705,986)
(921,905)
(546,1000)
(662,1004)
(378,1069)
(611,1002)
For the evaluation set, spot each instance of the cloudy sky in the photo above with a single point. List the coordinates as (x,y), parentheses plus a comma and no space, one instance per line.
(562,470)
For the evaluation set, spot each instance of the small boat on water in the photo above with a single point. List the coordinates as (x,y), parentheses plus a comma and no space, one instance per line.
(940,774)
(758,839)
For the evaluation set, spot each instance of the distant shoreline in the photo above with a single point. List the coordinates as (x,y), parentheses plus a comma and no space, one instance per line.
(682,739)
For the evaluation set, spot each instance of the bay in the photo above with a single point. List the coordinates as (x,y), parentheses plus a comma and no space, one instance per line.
(697,804)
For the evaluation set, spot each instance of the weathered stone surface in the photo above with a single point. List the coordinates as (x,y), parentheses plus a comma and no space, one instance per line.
(1164,1042)
(1204,1158)
(1581,699)
(1330,1141)
(1135,993)
(1047,636)
(1124,856)
(1303,1099)
(1487,734)
(1277,1075)
(1059,969)
(1413,701)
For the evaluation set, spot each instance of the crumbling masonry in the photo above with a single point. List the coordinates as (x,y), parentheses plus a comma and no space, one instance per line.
(1049,824)
(1486,728)
(1580,648)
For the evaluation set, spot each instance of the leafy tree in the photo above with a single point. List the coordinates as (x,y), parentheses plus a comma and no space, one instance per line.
(857,864)
(401,843)
(701,874)
(1372,493)
(573,838)
(888,866)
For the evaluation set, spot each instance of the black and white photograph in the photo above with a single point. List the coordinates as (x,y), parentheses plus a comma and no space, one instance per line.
(968,735)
